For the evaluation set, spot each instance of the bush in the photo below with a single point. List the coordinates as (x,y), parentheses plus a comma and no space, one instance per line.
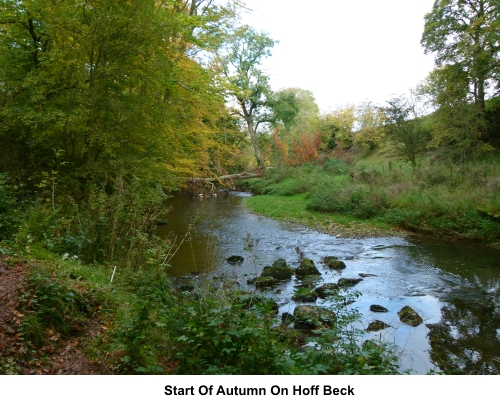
(356,200)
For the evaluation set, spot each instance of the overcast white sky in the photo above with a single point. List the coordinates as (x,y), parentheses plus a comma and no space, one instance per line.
(344,51)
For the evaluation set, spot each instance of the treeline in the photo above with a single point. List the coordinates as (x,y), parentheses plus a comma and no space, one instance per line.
(105,105)
(455,111)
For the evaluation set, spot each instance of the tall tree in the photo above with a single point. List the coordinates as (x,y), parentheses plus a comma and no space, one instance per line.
(371,121)
(403,126)
(111,86)
(248,86)
(465,36)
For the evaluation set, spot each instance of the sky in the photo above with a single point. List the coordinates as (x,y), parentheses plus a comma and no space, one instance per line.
(344,51)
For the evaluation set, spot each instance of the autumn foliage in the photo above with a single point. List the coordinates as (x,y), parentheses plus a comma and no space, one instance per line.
(298,151)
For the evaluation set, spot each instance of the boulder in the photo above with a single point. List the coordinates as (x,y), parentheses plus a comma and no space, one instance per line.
(348,282)
(378,308)
(334,263)
(280,263)
(364,275)
(235,259)
(409,316)
(312,317)
(307,268)
(305,295)
(375,326)
(264,282)
(327,290)
(278,270)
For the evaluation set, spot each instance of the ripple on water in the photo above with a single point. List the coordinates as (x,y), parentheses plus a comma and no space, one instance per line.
(439,280)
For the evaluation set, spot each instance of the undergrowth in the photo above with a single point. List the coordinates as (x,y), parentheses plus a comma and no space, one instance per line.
(438,197)
(153,328)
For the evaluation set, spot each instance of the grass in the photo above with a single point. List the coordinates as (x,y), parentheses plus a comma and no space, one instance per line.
(294,209)
(372,197)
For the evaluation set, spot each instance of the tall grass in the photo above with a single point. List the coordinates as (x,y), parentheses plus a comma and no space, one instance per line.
(438,197)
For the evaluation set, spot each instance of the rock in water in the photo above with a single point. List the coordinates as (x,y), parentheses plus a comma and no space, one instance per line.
(305,295)
(375,326)
(259,301)
(348,282)
(409,316)
(235,259)
(307,268)
(312,317)
(264,282)
(334,263)
(378,308)
(327,290)
(279,270)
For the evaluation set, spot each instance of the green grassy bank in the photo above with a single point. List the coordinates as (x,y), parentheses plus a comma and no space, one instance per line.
(377,196)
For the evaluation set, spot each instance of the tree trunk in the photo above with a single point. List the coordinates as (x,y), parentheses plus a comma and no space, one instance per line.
(255,143)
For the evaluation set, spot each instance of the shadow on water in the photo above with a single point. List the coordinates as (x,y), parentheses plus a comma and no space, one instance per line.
(453,286)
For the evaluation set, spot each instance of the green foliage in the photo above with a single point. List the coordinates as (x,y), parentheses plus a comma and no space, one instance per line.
(112,228)
(334,166)
(53,308)
(10,212)
(361,201)
(464,37)
(404,129)
(437,197)
(110,88)
(345,354)
(249,87)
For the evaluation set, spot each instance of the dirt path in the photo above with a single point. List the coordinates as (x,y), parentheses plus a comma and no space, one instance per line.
(57,356)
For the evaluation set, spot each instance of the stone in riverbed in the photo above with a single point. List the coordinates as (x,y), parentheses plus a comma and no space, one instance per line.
(305,295)
(364,275)
(375,326)
(185,285)
(312,317)
(278,270)
(327,290)
(334,263)
(409,316)
(235,259)
(307,268)
(348,282)
(378,308)
(264,282)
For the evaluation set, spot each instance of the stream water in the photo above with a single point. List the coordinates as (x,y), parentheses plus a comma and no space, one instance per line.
(455,287)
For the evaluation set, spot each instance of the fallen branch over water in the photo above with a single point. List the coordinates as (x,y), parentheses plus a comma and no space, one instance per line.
(238,176)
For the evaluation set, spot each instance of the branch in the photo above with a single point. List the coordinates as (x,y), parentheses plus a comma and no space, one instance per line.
(237,176)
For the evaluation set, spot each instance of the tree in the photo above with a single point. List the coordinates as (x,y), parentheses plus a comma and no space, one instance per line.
(249,87)
(465,35)
(371,121)
(344,119)
(113,87)
(403,126)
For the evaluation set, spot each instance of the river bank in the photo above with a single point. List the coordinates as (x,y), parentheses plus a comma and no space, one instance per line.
(365,198)
(294,209)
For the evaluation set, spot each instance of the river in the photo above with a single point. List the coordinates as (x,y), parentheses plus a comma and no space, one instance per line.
(455,287)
